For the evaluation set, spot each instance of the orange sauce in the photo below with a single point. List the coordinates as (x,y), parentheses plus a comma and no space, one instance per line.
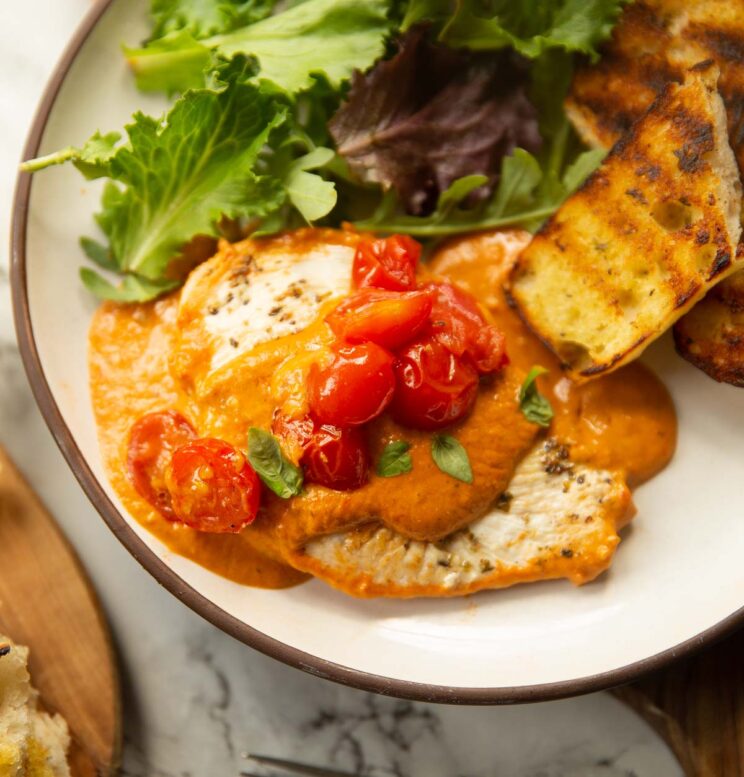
(624,421)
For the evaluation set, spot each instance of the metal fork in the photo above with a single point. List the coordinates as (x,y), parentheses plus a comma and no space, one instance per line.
(293,767)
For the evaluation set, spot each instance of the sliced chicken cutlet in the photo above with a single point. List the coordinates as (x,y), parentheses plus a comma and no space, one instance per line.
(653,44)
(644,238)
(556,520)
(256,291)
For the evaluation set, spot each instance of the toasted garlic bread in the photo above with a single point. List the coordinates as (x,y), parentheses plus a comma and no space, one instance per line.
(553,522)
(653,43)
(711,335)
(643,240)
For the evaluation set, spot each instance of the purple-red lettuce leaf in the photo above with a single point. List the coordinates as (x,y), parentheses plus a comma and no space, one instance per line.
(430,115)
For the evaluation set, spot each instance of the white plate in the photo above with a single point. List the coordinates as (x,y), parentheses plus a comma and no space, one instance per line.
(677,580)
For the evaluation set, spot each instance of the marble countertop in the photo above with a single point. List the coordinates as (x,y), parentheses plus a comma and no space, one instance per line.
(195,700)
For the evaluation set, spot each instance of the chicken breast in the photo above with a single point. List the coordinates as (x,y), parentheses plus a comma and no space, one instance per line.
(256,291)
(557,519)
(647,235)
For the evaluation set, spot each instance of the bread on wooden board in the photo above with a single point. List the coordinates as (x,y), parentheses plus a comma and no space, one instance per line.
(33,743)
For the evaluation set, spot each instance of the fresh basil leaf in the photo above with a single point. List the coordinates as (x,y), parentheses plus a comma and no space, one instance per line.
(275,470)
(395,459)
(451,457)
(534,406)
(328,37)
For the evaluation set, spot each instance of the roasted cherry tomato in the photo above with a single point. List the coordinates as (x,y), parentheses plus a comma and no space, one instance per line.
(458,323)
(337,458)
(386,263)
(151,443)
(435,388)
(388,318)
(353,387)
(294,433)
(212,486)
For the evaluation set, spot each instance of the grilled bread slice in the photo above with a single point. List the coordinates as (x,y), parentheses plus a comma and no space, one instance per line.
(643,240)
(653,43)
(556,520)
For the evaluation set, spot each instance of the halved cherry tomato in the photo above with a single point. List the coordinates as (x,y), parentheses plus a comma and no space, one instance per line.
(152,440)
(333,457)
(388,318)
(212,486)
(337,458)
(354,387)
(434,388)
(458,323)
(386,263)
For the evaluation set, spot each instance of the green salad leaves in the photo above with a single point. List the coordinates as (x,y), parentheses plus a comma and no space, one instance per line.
(430,117)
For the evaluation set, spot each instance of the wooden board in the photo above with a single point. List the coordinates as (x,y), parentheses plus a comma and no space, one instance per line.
(697,706)
(47,603)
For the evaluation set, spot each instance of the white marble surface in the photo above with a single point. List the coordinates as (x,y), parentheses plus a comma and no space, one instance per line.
(196,701)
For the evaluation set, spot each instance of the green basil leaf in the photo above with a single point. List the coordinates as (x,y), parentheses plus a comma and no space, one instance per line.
(451,457)
(395,459)
(535,407)
(274,469)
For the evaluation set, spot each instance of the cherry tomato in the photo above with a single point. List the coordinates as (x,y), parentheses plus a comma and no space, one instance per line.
(386,263)
(337,458)
(459,324)
(213,488)
(354,387)
(388,318)
(152,440)
(435,388)
(294,433)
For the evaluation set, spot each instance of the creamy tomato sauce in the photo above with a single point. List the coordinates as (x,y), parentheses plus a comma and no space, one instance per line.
(623,422)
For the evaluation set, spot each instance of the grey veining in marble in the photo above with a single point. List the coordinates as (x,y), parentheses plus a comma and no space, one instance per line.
(196,701)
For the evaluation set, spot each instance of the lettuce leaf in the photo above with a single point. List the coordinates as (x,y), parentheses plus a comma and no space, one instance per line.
(525,197)
(328,37)
(531,27)
(430,115)
(176,177)
(206,17)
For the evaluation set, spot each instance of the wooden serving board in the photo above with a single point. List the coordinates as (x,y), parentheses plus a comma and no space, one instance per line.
(48,603)
(697,706)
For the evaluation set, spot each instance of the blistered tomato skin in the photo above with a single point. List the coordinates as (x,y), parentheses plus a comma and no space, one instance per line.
(152,440)
(459,324)
(434,388)
(213,487)
(388,318)
(337,458)
(386,263)
(353,387)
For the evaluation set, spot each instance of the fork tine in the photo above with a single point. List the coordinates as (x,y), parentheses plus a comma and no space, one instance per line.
(298,768)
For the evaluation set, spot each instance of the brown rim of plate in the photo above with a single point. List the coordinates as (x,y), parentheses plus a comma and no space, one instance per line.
(189,596)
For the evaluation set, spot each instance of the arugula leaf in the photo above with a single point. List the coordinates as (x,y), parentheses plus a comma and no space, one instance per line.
(401,116)
(450,456)
(133,288)
(177,176)
(275,470)
(534,406)
(206,17)
(329,37)
(395,459)
(531,27)
(313,196)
